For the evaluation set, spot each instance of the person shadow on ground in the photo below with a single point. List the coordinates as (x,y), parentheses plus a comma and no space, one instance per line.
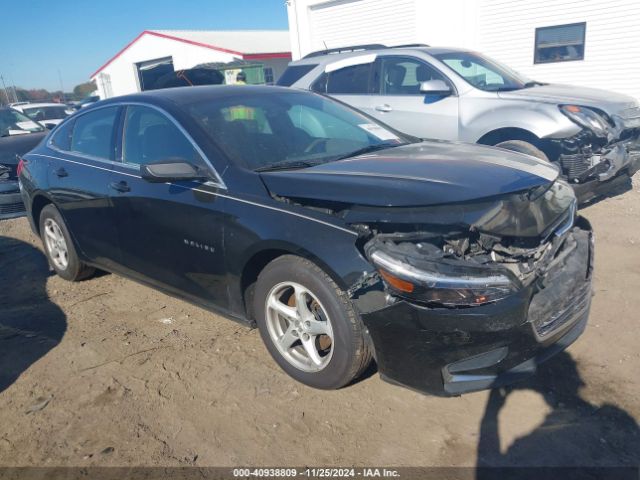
(574,434)
(30,324)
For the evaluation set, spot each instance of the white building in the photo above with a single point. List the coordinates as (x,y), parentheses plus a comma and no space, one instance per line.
(183,49)
(593,43)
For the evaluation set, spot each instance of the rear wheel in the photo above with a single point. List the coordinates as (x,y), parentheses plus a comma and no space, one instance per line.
(59,248)
(521,146)
(308,324)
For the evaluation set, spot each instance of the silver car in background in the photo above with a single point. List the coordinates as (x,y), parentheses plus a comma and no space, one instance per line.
(452,94)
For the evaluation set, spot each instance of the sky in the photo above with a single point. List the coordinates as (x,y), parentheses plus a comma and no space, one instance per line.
(40,38)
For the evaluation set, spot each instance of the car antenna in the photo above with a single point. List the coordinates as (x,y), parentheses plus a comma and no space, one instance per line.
(325,46)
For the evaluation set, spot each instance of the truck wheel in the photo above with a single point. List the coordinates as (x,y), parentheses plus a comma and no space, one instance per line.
(59,247)
(521,146)
(308,324)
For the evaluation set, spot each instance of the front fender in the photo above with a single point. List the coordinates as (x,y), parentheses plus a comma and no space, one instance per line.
(480,116)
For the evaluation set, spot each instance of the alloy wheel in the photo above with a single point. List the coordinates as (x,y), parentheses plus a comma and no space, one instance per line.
(299,326)
(56,244)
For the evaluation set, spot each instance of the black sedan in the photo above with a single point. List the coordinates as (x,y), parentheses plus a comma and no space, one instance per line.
(18,135)
(456,267)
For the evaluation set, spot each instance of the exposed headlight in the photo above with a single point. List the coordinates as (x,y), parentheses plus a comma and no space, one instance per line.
(587,118)
(428,282)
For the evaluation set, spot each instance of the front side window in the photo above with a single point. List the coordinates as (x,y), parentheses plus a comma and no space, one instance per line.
(93,133)
(149,136)
(482,72)
(13,122)
(561,43)
(289,129)
(403,76)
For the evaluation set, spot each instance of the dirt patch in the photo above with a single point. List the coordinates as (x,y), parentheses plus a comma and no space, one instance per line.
(109,372)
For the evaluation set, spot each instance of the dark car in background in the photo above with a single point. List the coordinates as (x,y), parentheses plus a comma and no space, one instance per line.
(18,135)
(456,267)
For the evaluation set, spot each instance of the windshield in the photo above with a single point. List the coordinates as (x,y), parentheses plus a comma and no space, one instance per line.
(13,122)
(289,129)
(46,113)
(484,73)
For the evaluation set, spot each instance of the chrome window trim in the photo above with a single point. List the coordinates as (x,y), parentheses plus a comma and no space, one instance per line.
(218,179)
(215,194)
(109,162)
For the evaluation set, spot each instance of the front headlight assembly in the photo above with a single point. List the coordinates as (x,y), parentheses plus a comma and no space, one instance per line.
(441,284)
(586,118)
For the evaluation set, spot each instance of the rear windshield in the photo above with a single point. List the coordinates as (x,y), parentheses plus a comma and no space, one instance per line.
(294,73)
(46,113)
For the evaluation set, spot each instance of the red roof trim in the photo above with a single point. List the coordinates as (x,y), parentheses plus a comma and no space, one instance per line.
(265,56)
(191,42)
(117,55)
(250,56)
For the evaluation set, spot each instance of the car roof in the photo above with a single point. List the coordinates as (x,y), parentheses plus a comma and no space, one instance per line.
(38,105)
(187,95)
(328,58)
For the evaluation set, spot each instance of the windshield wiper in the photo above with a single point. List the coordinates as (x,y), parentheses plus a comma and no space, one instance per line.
(370,148)
(533,83)
(286,166)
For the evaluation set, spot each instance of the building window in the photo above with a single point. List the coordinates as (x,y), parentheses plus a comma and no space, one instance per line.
(268,75)
(562,43)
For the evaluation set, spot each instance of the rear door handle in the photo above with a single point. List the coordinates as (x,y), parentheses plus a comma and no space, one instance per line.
(61,172)
(384,108)
(121,186)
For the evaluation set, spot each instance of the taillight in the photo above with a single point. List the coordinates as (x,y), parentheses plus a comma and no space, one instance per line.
(20,167)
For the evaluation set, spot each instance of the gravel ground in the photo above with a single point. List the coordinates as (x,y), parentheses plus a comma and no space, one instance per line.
(109,372)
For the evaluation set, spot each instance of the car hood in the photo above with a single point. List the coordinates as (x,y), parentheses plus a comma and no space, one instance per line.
(435,186)
(612,103)
(422,174)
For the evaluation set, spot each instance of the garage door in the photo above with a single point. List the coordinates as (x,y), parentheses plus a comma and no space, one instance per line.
(354,22)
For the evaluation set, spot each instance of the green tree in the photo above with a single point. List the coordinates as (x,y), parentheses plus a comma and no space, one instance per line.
(84,89)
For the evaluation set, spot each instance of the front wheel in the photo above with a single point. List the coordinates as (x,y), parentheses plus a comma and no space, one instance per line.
(309,325)
(521,146)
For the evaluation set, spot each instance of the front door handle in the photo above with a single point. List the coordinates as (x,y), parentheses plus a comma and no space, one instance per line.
(61,172)
(121,186)
(384,108)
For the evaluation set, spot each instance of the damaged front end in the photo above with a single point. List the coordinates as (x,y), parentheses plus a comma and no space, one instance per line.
(474,306)
(474,267)
(604,154)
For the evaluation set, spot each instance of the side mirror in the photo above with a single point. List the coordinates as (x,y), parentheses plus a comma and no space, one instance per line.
(170,170)
(435,87)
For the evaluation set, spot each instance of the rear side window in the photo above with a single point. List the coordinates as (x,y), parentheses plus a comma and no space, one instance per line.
(349,80)
(61,138)
(149,136)
(294,73)
(93,133)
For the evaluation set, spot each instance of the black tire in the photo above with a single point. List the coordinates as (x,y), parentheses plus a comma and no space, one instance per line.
(75,269)
(521,146)
(350,350)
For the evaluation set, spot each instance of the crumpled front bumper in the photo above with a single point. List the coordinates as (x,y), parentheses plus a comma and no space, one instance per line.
(609,171)
(11,204)
(444,351)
